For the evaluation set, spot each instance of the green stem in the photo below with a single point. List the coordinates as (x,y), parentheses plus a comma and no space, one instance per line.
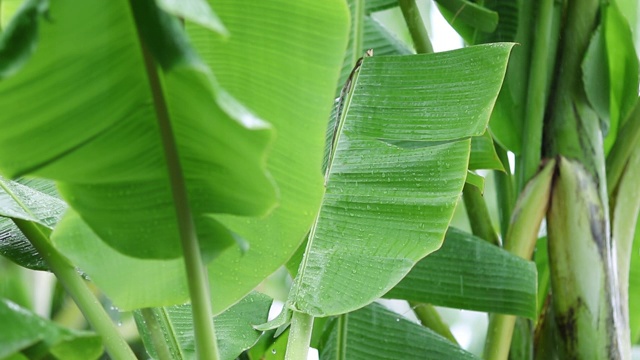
(299,336)
(416,26)
(521,240)
(78,289)
(358,29)
(499,334)
(343,325)
(537,94)
(627,141)
(478,214)
(429,317)
(505,191)
(205,336)
(624,217)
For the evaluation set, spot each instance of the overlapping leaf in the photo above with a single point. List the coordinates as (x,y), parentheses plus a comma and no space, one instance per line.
(33,200)
(234,329)
(483,153)
(37,338)
(88,120)
(469,273)
(377,333)
(397,172)
(283,61)
(287,84)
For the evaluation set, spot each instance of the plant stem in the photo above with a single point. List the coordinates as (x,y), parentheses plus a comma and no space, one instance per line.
(478,214)
(429,317)
(358,29)
(78,289)
(418,31)
(624,217)
(627,141)
(505,191)
(205,336)
(521,240)
(499,336)
(299,336)
(537,94)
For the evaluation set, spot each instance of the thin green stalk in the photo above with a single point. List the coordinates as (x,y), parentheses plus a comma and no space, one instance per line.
(505,191)
(418,31)
(628,140)
(299,336)
(429,317)
(537,94)
(204,332)
(478,214)
(499,336)
(358,29)
(78,289)
(343,324)
(521,240)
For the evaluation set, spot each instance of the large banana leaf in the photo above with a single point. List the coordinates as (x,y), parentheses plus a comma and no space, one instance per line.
(283,61)
(469,273)
(288,83)
(84,112)
(377,333)
(400,161)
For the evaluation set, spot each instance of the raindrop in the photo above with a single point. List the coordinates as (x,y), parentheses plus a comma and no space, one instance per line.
(273,351)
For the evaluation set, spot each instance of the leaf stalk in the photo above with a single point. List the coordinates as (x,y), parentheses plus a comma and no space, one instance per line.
(204,332)
(91,308)
(418,31)
(521,240)
(299,336)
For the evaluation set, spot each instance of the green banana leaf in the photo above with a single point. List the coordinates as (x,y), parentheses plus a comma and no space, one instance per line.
(398,170)
(469,14)
(368,33)
(290,81)
(381,40)
(36,338)
(285,82)
(32,200)
(483,153)
(374,332)
(124,279)
(90,121)
(378,5)
(623,68)
(7,9)
(234,329)
(469,273)
(506,120)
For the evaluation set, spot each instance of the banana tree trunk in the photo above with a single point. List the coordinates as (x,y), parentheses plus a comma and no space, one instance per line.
(583,282)
(585,298)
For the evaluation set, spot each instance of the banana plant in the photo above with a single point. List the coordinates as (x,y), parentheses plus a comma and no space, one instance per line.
(167,157)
